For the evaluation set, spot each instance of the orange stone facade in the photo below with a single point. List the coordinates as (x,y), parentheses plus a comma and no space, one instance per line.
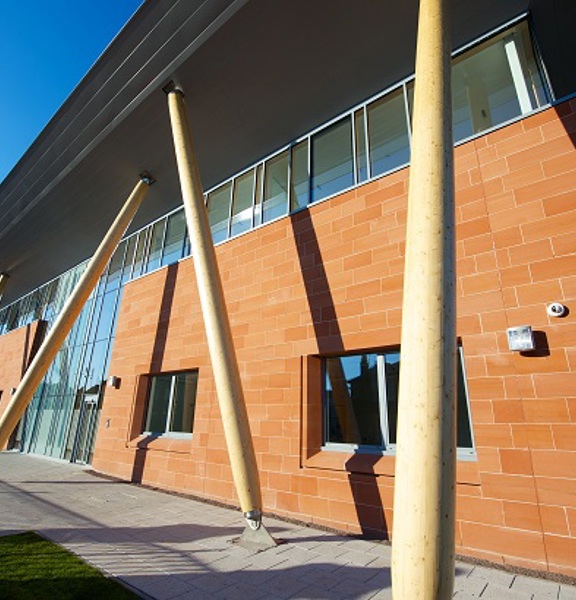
(17,349)
(328,280)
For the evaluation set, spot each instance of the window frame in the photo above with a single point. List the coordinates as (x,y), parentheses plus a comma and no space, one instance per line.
(169,411)
(388,448)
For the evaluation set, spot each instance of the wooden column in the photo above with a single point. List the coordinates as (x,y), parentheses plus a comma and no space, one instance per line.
(73,307)
(424,496)
(3,281)
(216,322)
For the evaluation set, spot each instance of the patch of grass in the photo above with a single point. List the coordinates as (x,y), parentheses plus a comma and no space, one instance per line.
(33,567)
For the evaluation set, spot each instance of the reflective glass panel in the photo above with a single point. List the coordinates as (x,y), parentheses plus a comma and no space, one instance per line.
(463,429)
(155,246)
(95,372)
(184,402)
(388,133)
(243,203)
(299,192)
(158,403)
(275,202)
(107,313)
(495,82)
(174,242)
(115,268)
(129,258)
(258,196)
(361,158)
(352,400)
(391,378)
(218,211)
(332,164)
(139,253)
(358,395)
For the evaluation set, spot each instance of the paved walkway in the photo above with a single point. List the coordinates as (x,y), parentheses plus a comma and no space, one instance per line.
(165,546)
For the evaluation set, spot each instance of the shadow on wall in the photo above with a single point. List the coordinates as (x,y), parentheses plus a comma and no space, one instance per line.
(156,360)
(364,485)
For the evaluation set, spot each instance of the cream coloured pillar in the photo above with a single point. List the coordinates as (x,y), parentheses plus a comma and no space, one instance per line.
(3,281)
(424,495)
(218,332)
(63,324)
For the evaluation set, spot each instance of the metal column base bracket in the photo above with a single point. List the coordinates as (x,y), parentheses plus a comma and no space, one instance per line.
(256,540)
(255,536)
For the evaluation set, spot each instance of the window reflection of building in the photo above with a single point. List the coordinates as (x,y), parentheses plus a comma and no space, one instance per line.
(363,389)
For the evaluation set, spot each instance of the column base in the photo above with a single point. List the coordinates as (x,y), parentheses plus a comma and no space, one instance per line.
(256,540)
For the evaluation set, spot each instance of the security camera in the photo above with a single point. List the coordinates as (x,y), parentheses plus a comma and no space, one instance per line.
(556,309)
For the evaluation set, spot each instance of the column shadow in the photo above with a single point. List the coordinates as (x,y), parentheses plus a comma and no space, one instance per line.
(156,361)
(361,476)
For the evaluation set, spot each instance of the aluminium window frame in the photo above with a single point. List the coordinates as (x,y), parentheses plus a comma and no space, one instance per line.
(167,433)
(388,448)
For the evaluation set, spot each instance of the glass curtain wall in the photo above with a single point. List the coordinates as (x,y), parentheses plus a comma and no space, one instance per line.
(62,418)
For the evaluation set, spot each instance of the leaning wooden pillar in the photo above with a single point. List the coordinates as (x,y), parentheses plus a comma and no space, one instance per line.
(69,313)
(424,496)
(218,331)
(3,281)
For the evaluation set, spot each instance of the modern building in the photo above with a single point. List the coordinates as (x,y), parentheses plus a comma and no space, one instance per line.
(301,114)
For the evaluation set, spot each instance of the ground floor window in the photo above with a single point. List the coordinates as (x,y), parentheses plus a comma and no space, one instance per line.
(171,403)
(361,401)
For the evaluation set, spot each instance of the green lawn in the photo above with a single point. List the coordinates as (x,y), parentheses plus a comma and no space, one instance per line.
(33,567)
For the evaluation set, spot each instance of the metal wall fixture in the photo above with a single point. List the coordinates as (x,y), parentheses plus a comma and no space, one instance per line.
(521,338)
(556,309)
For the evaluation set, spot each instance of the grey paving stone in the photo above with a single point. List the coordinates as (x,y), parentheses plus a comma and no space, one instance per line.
(495,591)
(385,594)
(567,592)
(354,589)
(264,561)
(161,544)
(542,588)
(285,585)
(353,557)
(208,582)
(230,564)
(470,585)
(321,577)
(502,578)
(166,588)
(361,574)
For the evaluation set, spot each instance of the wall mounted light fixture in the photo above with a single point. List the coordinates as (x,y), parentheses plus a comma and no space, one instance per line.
(521,338)
(114,382)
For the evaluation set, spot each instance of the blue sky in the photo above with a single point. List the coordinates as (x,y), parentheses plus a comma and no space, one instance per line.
(46,47)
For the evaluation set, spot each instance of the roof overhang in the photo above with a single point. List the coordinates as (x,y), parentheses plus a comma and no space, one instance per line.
(256,74)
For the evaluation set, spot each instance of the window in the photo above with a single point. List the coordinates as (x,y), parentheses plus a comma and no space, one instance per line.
(155,246)
(219,211)
(360,142)
(332,162)
(299,186)
(129,259)
(175,234)
(171,403)
(494,82)
(388,133)
(361,401)
(275,202)
(139,252)
(242,203)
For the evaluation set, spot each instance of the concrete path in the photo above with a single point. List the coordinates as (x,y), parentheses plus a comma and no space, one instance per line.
(164,546)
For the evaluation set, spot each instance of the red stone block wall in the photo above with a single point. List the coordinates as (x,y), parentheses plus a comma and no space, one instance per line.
(328,280)
(17,348)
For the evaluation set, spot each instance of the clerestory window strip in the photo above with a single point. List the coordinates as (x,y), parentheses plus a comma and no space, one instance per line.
(262,169)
